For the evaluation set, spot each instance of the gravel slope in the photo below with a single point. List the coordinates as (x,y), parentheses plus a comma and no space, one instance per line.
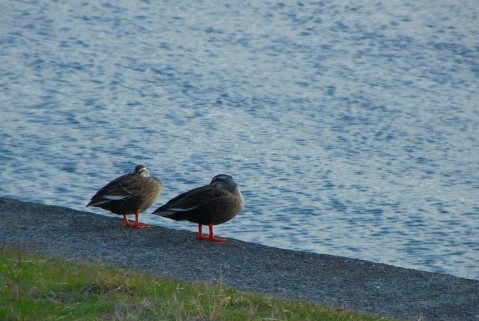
(325,279)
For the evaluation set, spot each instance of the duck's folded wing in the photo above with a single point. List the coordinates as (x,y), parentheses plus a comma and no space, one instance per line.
(120,189)
(190,201)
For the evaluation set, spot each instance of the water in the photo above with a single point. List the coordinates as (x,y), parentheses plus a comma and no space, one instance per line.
(351,128)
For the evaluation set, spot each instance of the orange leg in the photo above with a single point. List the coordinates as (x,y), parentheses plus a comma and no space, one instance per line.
(127,222)
(210,237)
(137,224)
(213,237)
(200,233)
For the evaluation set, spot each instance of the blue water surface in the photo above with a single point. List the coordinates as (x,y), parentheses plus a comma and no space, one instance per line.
(351,127)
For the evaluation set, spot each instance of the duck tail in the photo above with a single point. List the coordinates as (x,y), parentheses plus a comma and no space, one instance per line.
(171,214)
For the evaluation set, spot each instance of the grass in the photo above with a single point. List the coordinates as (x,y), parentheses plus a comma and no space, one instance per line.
(38,288)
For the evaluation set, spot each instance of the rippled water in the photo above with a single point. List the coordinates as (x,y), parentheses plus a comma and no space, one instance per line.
(352,129)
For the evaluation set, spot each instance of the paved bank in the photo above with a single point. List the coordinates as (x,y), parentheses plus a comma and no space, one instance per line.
(355,284)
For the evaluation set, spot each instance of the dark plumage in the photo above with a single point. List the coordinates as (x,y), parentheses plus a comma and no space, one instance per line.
(132,193)
(210,205)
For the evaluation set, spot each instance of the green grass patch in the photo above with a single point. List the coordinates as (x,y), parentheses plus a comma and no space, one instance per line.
(33,287)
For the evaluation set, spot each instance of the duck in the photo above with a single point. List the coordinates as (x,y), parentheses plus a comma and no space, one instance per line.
(210,205)
(132,193)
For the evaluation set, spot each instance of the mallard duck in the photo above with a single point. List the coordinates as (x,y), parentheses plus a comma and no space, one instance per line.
(132,193)
(210,205)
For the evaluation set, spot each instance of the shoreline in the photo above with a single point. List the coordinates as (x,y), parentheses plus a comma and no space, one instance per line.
(355,284)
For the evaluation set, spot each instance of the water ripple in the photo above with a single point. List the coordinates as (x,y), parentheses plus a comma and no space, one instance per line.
(351,129)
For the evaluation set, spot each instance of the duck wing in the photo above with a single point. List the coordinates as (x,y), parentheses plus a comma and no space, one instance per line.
(120,189)
(191,202)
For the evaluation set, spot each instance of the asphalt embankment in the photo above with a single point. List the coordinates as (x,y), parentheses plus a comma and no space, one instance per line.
(324,279)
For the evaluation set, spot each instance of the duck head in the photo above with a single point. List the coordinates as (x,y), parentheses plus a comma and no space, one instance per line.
(141,170)
(224,181)
(227,182)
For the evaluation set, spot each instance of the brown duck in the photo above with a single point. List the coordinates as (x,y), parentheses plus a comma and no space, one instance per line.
(210,205)
(132,193)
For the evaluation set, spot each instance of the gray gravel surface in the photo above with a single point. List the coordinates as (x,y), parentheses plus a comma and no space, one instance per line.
(325,279)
